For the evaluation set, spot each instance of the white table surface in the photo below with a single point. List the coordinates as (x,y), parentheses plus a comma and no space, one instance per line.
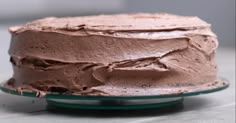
(216,107)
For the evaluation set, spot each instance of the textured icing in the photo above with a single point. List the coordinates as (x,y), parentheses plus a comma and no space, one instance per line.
(94,55)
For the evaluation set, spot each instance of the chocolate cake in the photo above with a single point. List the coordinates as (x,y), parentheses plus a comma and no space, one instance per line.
(123,54)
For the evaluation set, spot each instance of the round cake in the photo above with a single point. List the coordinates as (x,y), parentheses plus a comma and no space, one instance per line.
(123,54)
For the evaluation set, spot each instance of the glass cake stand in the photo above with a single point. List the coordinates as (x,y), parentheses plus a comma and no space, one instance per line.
(118,102)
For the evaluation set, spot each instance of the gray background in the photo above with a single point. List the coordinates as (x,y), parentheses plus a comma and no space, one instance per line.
(212,108)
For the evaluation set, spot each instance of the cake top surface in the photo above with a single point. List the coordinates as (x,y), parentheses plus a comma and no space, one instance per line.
(113,23)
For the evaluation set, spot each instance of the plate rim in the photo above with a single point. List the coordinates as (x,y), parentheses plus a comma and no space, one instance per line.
(132,97)
(115,107)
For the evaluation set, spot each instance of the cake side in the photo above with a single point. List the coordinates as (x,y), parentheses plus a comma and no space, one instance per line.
(113,60)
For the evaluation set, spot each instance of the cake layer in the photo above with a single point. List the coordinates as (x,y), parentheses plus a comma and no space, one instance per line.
(94,55)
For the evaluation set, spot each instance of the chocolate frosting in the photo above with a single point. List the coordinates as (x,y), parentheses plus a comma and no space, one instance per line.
(125,54)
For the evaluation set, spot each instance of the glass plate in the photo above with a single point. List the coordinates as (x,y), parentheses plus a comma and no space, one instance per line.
(120,102)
